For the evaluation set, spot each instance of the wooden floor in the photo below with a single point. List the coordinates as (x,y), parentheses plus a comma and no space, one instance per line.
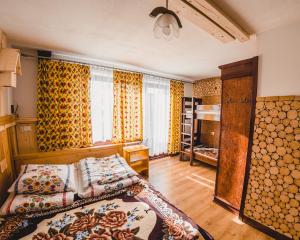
(191,190)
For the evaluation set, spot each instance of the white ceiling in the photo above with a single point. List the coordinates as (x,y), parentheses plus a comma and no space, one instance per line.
(121,31)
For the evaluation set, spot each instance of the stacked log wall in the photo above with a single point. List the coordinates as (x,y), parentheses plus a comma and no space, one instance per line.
(273,197)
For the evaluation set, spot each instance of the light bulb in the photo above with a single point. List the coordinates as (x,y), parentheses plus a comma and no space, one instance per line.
(166,26)
(166,30)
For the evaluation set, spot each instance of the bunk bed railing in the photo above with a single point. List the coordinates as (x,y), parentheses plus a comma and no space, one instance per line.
(192,111)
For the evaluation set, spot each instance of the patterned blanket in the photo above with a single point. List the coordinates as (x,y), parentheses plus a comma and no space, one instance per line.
(104,170)
(104,175)
(134,213)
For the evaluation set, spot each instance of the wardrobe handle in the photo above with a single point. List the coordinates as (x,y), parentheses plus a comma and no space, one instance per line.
(244,100)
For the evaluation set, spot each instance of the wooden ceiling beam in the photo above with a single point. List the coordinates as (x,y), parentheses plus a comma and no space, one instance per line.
(196,17)
(216,14)
(206,15)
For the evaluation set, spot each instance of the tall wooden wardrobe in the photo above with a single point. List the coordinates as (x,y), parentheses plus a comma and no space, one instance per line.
(239,84)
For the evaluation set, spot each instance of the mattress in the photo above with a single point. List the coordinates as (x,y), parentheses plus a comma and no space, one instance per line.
(206,112)
(210,152)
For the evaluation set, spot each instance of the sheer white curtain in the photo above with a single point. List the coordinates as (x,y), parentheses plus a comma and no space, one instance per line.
(101,92)
(156,113)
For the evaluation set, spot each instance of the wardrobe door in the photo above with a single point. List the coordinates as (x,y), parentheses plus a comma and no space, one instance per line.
(239,83)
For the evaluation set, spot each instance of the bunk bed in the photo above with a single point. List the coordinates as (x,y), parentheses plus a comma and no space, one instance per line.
(193,113)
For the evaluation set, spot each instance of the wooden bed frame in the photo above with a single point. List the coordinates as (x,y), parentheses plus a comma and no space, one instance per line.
(13,163)
(67,156)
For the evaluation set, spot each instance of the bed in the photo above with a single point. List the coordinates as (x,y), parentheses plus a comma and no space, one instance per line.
(134,212)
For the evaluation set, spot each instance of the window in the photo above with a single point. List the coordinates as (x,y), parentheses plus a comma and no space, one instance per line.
(156,111)
(101,91)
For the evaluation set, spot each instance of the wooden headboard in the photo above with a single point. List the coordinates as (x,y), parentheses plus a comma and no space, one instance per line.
(11,160)
(6,165)
(67,156)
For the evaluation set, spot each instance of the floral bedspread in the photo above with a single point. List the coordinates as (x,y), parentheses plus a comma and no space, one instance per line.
(134,213)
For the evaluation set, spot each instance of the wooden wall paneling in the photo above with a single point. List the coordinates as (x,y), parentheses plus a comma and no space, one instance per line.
(12,132)
(239,84)
(210,130)
(3,40)
(6,163)
(26,135)
(211,99)
(5,168)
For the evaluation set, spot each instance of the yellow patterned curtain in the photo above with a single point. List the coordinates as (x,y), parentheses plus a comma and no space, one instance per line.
(63,105)
(127,114)
(176,94)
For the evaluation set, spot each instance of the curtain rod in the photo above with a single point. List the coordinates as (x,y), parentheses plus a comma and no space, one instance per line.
(97,65)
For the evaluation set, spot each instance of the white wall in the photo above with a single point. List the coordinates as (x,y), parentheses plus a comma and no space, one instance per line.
(25,94)
(279,61)
(5,100)
(188,90)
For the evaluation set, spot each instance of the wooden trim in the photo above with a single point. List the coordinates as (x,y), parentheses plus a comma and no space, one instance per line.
(6,122)
(11,137)
(264,229)
(233,64)
(26,120)
(8,119)
(226,205)
(250,143)
(239,69)
(192,132)
(220,152)
(13,141)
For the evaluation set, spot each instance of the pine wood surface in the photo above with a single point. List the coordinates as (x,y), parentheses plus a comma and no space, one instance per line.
(6,167)
(191,189)
(137,157)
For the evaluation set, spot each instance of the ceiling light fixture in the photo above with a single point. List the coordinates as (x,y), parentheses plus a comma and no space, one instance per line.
(167,24)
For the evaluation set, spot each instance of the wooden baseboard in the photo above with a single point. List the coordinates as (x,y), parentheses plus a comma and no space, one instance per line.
(264,229)
(226,205)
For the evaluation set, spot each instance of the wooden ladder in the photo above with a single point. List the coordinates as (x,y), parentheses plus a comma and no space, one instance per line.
(188,117)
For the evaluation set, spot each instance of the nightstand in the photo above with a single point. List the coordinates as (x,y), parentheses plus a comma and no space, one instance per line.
(137,157)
